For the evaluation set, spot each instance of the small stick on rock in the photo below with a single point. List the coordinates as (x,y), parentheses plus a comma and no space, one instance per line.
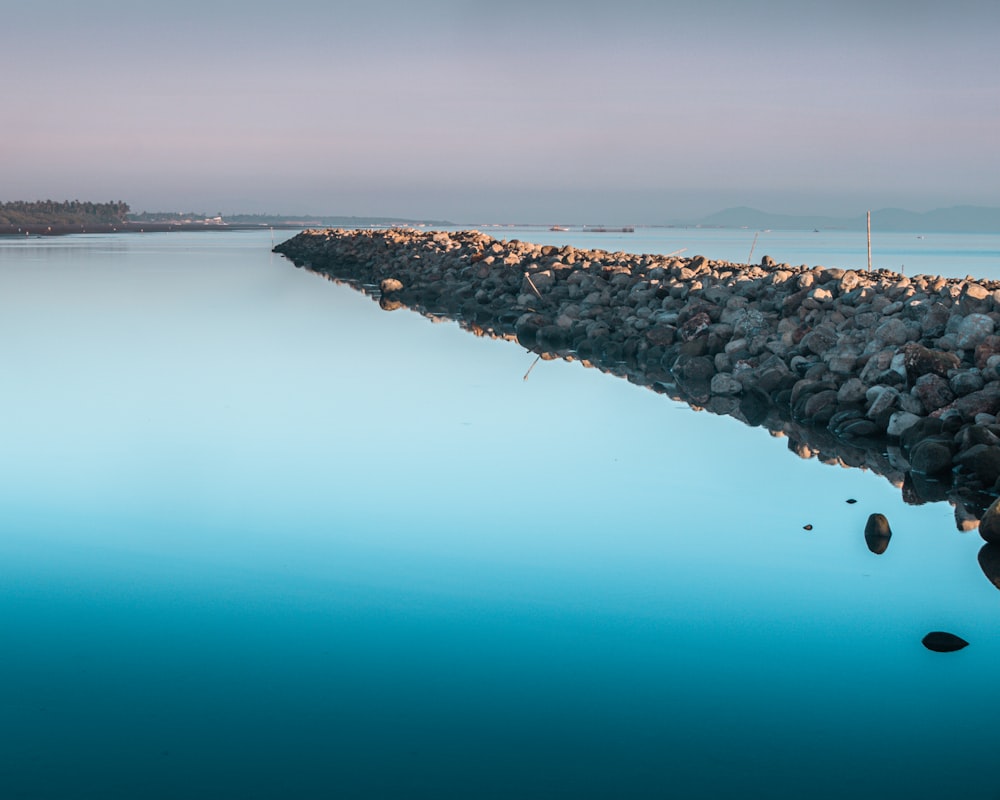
(531,283)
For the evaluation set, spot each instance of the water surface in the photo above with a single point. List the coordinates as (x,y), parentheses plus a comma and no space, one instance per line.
(264,539)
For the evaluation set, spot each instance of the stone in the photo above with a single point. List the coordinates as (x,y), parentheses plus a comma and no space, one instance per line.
(983,461)
(694,368)
(852,391)
(989,524)
(821,406)
(973,330)
(820,340)
(900,422)
(694,326)
(919,360)
(892,332)
(389,285)
(881,399)
(933,392)
(877,533)
(943,642)
(966,382)
(989,562)
(990,346)
(985,401)
(931,457)
(722,384)
(860,428)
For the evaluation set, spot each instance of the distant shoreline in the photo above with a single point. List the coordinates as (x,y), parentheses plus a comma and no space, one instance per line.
(139,227)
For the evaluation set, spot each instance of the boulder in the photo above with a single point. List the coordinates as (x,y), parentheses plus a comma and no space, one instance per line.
(877,533)
(973,330)
(989,525)
(919,360)
(933,392)
(931,457)
(989,562)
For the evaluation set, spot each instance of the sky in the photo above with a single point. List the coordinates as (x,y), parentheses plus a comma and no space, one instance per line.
(632,111)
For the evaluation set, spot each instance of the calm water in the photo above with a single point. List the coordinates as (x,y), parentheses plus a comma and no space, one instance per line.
(262,539)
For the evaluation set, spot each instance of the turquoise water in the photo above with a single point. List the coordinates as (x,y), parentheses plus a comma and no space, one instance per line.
(262,539)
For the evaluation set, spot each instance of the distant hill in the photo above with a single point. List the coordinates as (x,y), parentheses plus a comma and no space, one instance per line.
(957,219)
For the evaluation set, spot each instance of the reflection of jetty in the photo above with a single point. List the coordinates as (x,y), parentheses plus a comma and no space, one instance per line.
(896,374)
(604,229)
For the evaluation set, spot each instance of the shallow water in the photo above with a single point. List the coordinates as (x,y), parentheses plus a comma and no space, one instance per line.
(263,539)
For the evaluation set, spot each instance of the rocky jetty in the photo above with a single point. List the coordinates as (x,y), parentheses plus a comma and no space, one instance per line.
(877,370)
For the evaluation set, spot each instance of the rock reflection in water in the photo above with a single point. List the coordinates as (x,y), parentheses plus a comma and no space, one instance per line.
(944,456)
(989,561)
(888,457)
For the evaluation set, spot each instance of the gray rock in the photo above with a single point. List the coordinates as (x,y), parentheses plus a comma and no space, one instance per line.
(983,461)
(989,525)
(725,385)
(966,382)
(892,332)
(973,330)
(852,391)
(989,558)
(931,457)
(881,399)
(900,422)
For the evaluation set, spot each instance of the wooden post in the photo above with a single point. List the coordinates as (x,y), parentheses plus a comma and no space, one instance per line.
(752,246)
(869,241)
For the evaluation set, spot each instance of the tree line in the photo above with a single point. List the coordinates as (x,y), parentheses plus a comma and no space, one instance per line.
(22,213)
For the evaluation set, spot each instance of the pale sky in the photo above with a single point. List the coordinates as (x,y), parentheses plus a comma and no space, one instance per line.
(519,111)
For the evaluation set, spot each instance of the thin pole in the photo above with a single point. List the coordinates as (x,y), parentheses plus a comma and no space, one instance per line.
(869,241)
(752,246)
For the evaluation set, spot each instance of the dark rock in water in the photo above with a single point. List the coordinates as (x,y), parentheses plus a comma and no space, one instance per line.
(983,461)
(851,500)
(989,525)
(931,457)
(942,642)
(918,488)
(807,527)
(877,534)
(754,405)
(989,562)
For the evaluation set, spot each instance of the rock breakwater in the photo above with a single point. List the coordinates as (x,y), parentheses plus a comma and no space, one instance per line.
(878,370)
